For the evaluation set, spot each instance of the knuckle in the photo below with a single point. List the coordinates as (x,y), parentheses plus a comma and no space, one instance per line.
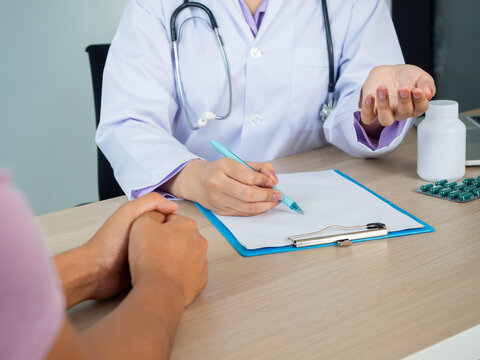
(212,182)
(132,209)
(269,166)
(250,178)
(423,106)
(222,162)
(251,208)
(249,194)
(383,105)
(221,165)
(269,195)
(404,111)
(190,223)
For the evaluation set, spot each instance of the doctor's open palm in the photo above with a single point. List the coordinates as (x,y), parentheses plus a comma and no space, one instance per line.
(394,93)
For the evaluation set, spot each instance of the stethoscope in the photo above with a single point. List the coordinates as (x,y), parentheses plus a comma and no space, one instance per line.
(326,108)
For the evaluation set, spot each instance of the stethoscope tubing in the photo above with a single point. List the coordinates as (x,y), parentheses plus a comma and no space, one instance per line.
(327,107)
(173,33)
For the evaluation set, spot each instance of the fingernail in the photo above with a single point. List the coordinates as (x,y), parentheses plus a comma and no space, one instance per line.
(369,100)
(429,96)
(417,95)
(277,196)
(269,184)
(404,94)
(382,93)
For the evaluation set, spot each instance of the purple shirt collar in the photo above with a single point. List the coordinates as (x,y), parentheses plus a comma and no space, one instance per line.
(254,21)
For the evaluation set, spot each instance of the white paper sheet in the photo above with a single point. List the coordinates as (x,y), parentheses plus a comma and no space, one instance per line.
(327,198)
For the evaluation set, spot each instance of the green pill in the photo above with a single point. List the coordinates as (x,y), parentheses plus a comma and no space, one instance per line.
(450,185)
(469,188)
(465,196)
(476,192)
(460,186)
(425,187)
(468,181)
(454,194)
(435,190)
(441,182)
(445,192)
(476,183)
(478,177)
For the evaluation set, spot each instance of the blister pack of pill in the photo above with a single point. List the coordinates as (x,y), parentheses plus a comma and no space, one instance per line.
(463,191)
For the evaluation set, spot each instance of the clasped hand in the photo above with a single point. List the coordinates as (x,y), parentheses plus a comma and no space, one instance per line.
(146,242)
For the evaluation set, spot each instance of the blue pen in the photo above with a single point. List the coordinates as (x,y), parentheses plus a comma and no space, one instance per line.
(227,153)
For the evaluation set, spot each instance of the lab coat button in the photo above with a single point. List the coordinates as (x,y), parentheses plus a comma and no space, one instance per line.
(255,53)
(256,120)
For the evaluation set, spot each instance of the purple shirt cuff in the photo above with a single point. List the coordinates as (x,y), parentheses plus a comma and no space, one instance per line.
(387,135)
(140,192)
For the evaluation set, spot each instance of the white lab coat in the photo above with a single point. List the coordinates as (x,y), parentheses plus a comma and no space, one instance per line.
(276,96)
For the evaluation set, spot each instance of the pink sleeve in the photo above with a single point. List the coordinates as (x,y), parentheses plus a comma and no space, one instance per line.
(31,300)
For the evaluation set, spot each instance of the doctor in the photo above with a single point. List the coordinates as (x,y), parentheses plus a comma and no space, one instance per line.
(277,60)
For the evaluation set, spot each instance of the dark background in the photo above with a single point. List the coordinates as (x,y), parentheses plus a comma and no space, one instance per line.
(443,37)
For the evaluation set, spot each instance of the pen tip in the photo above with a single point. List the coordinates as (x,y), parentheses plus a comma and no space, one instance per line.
(296,208)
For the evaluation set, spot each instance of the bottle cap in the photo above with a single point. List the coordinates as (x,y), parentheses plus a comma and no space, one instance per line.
(442,109)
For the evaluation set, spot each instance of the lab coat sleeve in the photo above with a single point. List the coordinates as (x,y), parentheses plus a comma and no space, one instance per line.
(370,41)
(139,101)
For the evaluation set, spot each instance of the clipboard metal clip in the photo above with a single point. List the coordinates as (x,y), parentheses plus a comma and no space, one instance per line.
(344,239)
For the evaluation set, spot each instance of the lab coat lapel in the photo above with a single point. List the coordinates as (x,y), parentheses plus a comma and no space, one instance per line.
(240,19)
(272,9)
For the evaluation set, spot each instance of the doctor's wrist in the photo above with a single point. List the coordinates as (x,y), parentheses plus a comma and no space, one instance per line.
(182,185)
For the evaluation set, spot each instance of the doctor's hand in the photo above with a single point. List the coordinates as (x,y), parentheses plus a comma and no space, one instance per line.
(394,93)
(227,187)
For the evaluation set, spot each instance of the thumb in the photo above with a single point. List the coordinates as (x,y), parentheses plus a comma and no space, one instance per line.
(153,201)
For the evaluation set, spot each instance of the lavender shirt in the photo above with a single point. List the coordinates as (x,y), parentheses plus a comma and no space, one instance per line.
(31,301)
(387,135)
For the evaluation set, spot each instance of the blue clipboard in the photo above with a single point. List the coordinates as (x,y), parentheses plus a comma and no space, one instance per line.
(272,250)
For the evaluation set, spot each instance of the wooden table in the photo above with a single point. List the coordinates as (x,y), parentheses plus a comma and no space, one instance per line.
(382,299)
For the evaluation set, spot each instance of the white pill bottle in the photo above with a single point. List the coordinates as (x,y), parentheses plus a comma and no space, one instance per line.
(441,141)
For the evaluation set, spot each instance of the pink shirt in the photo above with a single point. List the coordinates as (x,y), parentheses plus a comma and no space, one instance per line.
(31,300)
